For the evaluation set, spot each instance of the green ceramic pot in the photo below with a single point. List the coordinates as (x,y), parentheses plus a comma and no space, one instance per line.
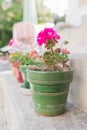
(23,71)
(49,90)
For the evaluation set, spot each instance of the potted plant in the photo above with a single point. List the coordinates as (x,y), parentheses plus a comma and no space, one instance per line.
(50,80)
(26,61)
(17,50)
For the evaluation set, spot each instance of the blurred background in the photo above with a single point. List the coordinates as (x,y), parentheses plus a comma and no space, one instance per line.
(63,14)
(68,17)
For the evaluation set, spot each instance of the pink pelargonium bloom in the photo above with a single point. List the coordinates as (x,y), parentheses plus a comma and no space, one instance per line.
(65,51)
(46,35)
(34,54)
(11,42)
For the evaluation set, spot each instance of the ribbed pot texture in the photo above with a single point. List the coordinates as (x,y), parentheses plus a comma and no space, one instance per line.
(49,90)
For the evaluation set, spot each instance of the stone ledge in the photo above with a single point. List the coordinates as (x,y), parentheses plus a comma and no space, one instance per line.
(21,115)
(78,89)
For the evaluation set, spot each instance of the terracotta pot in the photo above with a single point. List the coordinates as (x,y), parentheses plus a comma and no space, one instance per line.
(16,71)
(13,67)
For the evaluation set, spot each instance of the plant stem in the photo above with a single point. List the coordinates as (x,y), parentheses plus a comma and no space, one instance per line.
(53,59)
(61,45)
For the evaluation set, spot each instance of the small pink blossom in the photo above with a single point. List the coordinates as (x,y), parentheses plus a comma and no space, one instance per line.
(11,42)
(34,54)
(65,51)
(46,35)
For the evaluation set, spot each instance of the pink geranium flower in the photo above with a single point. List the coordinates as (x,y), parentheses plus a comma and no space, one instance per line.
(47,35)
(65,51)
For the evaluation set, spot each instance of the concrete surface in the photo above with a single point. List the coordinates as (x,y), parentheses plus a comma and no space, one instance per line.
(21,115)
(4,66)
(3,122)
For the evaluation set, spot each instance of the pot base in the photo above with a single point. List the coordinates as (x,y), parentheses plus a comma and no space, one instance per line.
(50,115)
(50,104)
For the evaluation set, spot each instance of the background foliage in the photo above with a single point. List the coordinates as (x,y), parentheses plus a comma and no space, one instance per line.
(44,14)
(8,18)
(15,13)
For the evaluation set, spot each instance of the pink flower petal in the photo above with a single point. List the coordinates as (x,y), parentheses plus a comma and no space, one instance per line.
(11,42)
(65,51)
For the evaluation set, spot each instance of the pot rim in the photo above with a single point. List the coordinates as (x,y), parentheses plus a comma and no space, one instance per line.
(38,71)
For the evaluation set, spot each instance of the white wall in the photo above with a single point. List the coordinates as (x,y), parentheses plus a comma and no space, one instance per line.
(76,37)
(76,9)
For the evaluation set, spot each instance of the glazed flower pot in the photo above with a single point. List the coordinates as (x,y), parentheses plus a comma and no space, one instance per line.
(49,90)
(16,71)
(23,72)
